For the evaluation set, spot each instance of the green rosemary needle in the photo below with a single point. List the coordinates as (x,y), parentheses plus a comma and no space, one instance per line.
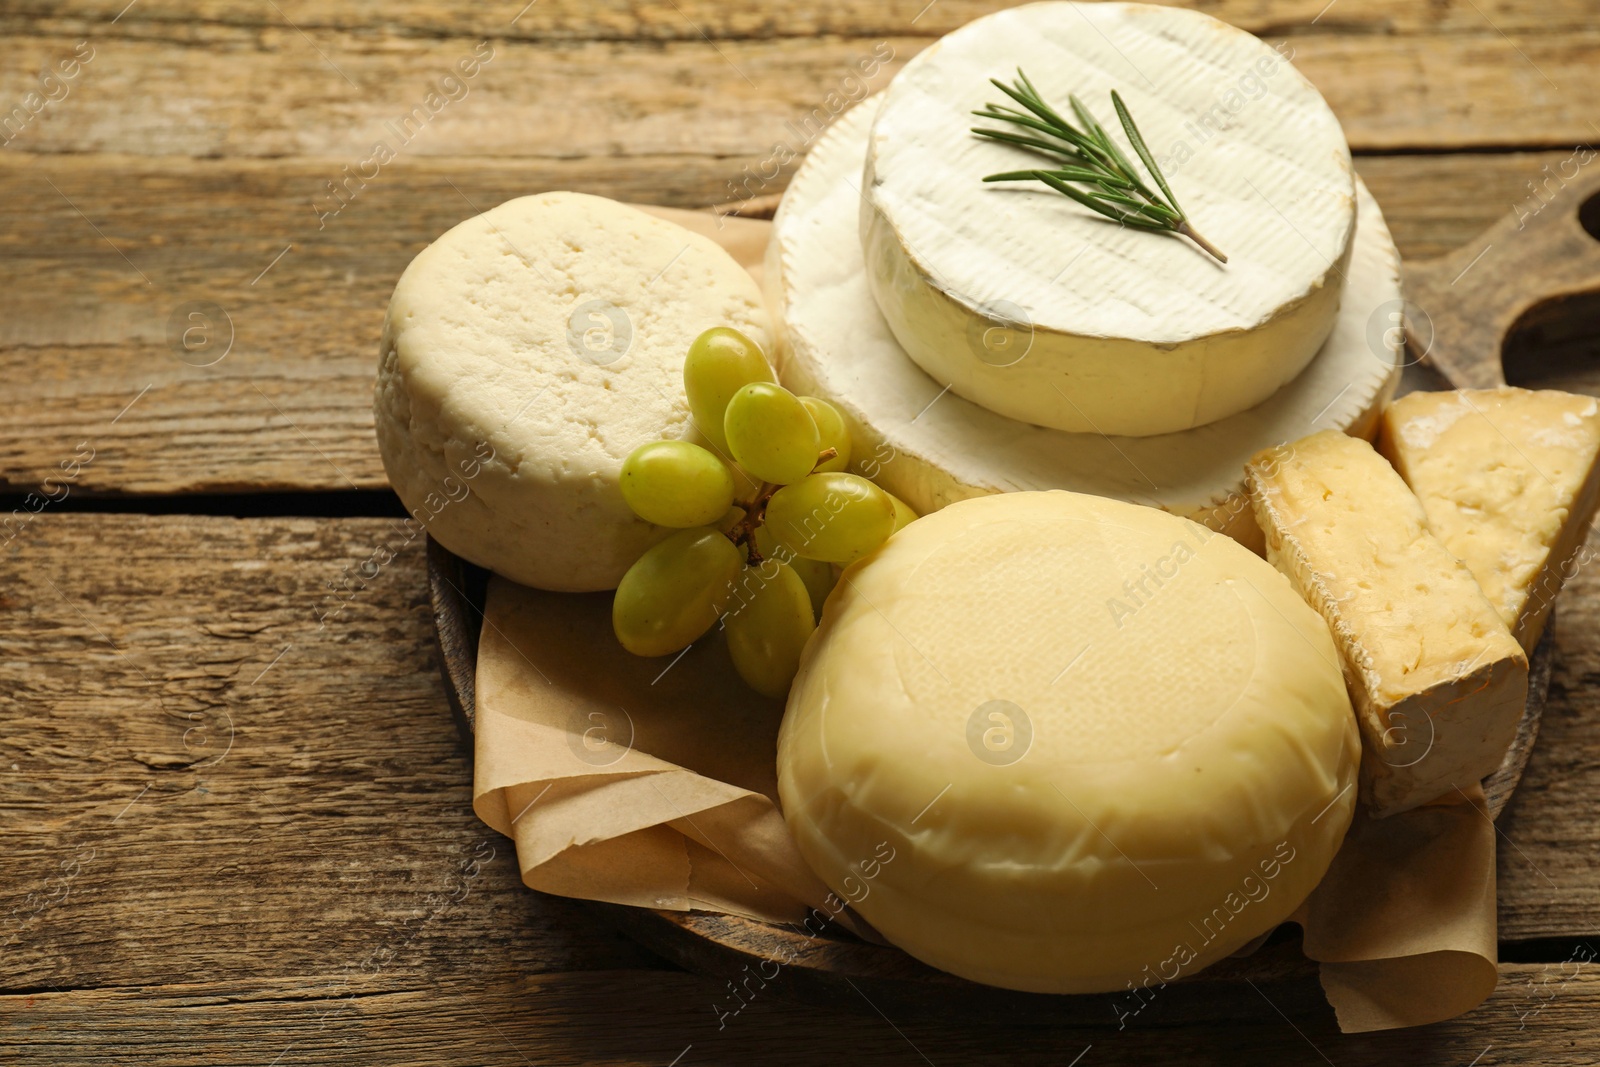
(1088,157)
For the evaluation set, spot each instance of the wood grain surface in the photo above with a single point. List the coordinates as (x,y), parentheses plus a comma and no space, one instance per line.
(1522,284)
(231,783)
(273,91)
(235,821)
(831,970)
(91,296)
(672,20)
(1541,1014)
(220,754)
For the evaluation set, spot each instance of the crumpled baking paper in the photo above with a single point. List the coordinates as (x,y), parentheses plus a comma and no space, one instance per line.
(653,783)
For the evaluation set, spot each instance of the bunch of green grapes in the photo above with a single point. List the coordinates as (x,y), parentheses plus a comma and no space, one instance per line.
(761,561)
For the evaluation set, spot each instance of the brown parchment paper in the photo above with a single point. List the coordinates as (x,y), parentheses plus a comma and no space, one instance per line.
(653,783)
(637,781)
(1404,923)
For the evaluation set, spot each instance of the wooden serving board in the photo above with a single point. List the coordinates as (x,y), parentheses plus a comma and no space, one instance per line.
(1526,285)
(1466,310)
(838,970)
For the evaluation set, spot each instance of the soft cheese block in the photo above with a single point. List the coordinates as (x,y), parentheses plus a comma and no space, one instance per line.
(1123,331)
(931,447)
(1437,680)
(1060,743)
(525,353)
(1509,480)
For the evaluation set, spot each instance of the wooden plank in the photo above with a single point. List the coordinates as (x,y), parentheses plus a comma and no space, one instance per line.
(89,299)
(471,1008)
(226,752)
(139,847)
(100,256)
(1434,204)
(274,91)
(763,19)
(1549,834)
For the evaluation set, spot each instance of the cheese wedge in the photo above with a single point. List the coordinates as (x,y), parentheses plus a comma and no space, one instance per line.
(1061,743)
(525,353)
(931,447)
(1437,680)
(1509,479)
(1128,332)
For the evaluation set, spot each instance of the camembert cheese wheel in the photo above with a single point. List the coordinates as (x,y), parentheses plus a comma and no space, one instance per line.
(525,353)
(931,447)
(1060,743)
(1124,331)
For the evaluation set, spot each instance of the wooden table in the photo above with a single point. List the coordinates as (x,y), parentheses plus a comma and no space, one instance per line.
(234,813)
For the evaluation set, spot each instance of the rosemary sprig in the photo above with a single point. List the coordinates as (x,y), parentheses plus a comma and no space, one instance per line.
(1088,157)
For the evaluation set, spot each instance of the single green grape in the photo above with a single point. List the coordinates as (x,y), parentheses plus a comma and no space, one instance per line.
(720,362)
(677,484)
(833,517)
(903,515)
(768,622)
(675,592)
(818,576)
(730,518)
(770,433)
(831,432)
(770,548)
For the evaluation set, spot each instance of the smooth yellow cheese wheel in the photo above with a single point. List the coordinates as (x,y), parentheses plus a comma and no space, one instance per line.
(1061,743)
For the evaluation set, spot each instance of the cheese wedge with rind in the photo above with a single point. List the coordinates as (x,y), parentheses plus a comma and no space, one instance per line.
(1128,332)
(931,447)
(1061,743)
(1510,480)
(1437,680)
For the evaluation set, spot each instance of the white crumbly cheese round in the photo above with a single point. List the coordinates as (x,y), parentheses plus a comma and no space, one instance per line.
(1061,743)
(1124,331)
(931,447)
(525,353)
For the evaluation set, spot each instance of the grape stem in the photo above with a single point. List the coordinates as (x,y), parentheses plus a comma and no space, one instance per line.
(755,512)
(744,531)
